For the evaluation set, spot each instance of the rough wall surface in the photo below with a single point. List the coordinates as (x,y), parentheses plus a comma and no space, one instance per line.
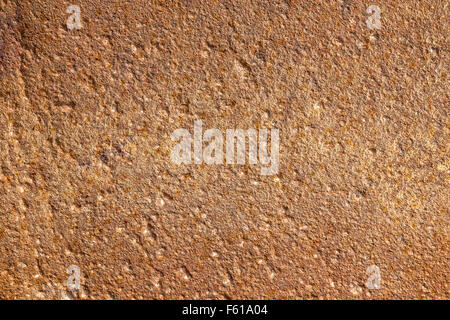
(86,178)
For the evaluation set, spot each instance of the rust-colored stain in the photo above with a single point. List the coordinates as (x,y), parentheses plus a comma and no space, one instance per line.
(86,176)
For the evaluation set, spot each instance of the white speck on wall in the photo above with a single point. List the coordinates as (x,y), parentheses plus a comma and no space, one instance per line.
(355,290)
(160,202)
(64,296)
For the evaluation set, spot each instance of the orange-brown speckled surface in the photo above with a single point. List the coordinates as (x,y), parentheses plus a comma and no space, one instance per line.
(86,178)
